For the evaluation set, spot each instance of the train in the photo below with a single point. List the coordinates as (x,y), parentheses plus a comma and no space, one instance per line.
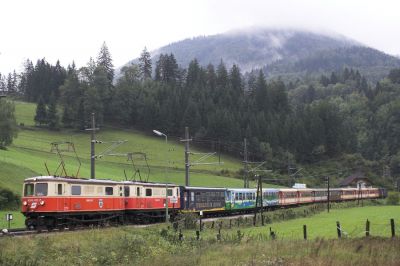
(51,202)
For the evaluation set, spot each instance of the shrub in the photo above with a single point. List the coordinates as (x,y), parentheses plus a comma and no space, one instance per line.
(393,198)
(8,200)
(187,220)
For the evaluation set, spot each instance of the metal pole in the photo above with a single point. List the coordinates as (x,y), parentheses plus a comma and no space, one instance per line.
(328,193)
(392,227)
(187,164)
(246,168)
(166,183)
(262,201)
(92,153)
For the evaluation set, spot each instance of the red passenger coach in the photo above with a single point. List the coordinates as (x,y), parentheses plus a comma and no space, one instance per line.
(150,198)
(288,196)
(58,201)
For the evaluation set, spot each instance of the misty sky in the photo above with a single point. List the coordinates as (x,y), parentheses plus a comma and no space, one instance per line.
(75,29)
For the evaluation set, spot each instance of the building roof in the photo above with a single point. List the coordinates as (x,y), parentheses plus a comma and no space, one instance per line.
(354,178)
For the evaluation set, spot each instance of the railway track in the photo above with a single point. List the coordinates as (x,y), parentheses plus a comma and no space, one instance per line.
(18,232)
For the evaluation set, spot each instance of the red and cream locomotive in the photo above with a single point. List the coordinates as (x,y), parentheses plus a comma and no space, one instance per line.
(50,202)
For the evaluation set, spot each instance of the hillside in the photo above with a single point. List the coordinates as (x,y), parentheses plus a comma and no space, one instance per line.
(372,63)
(280,51)
(31,150)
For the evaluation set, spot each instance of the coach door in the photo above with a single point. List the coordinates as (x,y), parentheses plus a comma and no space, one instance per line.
(62,202)
(140,198)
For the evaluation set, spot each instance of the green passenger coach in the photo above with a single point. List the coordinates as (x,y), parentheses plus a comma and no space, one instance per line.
(245,198)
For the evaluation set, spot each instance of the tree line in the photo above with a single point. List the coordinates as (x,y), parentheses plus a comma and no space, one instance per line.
(307,120)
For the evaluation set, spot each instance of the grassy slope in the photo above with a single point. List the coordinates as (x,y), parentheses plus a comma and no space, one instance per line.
(31,150)
(12,176)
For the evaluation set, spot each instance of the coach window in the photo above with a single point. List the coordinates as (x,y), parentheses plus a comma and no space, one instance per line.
(59,189)
(41,189)
(169,192)
(126,191)
(109,191)
(28,191)
(148,192)
(138,191)
(75,190)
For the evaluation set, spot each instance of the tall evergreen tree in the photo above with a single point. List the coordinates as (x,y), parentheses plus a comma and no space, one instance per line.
(41,113)
(145,64)
(10,84)
(53,118)
(104,60)
(8,125)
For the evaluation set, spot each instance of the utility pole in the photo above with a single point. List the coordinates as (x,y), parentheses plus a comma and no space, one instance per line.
(246,166)
(259,201)
(158,133)
(187,164)
(92,152)
(327,179)
(199,161)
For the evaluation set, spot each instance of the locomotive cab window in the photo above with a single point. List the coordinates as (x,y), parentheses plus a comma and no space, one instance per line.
(28,191)
(148,192)
(109,191)
(41,189)
(59,189)
(75,190)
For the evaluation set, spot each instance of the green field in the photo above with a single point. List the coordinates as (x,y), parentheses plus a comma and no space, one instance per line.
(323,225)
(31,150)
(17,222)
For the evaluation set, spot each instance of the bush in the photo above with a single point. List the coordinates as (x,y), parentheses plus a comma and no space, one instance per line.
(8,200)
(393,198)
(187,220)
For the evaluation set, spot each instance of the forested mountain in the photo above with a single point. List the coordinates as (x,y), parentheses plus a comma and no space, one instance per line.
(371,63)
(306,121)
(281,52)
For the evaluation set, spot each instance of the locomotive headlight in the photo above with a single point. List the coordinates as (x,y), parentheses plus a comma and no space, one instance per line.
(25,203)
(41,202)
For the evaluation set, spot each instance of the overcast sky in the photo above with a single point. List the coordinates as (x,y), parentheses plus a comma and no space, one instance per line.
(75,29)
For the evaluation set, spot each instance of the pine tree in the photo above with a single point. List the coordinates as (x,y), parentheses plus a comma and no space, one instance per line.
(2,84)
(10,85)
(145,64)
(53,118)
(104,60)
(8,125)
(80,118)
(41,113)
(67,118)
(236,86)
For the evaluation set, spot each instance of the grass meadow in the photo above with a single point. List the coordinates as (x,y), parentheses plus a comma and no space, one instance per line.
(323,224)
(157,245)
